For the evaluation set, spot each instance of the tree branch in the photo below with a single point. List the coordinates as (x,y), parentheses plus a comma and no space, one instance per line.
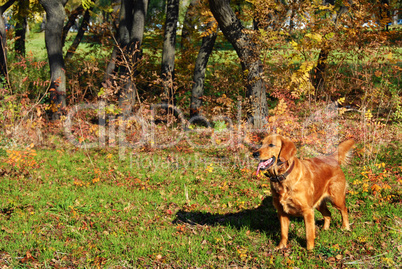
(4,7)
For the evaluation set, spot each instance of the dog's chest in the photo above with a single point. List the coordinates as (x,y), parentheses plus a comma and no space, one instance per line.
(287,199)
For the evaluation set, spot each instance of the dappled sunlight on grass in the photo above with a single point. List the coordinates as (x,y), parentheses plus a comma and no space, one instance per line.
(176,207)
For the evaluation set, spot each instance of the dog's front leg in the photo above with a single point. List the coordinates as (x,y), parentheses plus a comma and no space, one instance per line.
(284,220)
(310,227)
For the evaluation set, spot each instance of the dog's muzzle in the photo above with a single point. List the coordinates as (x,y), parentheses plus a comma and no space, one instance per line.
(265,164)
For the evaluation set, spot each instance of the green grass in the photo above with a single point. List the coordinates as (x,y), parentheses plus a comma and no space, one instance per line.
(35,44)
(179,208)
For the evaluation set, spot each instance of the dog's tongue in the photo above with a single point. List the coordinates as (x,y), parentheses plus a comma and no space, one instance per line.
(258,168)
(263,165)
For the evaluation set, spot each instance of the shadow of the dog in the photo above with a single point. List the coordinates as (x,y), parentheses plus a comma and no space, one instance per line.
(262,218)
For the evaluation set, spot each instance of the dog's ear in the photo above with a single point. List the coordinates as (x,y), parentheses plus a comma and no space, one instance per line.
(288,149)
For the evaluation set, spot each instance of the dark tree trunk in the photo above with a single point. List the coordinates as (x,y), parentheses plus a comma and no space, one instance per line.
(20,31)
(197,91)
(168,53)
(3,50)
(55,15)
(249,57)
(385,14)
(318,80)
(3,41)
(126,92)
(21,27)
(188,25)
(80,34)
(131,33)
(71,21)
(291,20)
(111,67)
(319,70)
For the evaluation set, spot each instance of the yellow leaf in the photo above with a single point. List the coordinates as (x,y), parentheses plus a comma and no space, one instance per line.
(341,100)
(328,7)
(368,115)
(330,35)
(307,66)
(294,45)
(281,107)
(263,32)
(378,73)
(375,188)
(314,36)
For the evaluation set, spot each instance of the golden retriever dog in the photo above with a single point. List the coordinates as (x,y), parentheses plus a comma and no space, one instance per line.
(298,186)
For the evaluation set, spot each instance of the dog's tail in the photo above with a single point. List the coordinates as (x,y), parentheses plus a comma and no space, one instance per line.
(344,152)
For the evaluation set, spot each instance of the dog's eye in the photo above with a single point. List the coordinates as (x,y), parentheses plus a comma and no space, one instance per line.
(271,145)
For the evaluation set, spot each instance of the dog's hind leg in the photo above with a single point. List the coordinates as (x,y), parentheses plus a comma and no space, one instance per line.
(325,213)
(339,203)
(338,200)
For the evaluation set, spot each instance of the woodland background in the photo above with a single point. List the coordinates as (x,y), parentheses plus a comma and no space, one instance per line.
(126,130)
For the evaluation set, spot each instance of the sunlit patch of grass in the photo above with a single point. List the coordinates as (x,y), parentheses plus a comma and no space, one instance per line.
(171,208)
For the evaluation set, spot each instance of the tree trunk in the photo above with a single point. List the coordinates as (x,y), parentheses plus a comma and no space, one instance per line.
(291,20)
(20,31)
(71,21)
(197,91)
(249,57)
(385,14)
(21,27)
(3,41)
(55,15)
(168,53)
(3,49)
(111,66)
(188,25)
(319,70)
(137,31)
(126,92)
(80,34)
(318,80)
(131,33)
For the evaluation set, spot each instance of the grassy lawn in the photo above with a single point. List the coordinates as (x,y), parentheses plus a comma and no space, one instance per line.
(61,206)
(35,44)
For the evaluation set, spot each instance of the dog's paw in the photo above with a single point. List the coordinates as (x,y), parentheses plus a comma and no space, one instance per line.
(280,247)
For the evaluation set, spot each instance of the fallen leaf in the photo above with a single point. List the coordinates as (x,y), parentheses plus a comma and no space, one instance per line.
(28,257)
(331,259)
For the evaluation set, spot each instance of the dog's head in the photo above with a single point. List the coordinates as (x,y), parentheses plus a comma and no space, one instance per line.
(274,149)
